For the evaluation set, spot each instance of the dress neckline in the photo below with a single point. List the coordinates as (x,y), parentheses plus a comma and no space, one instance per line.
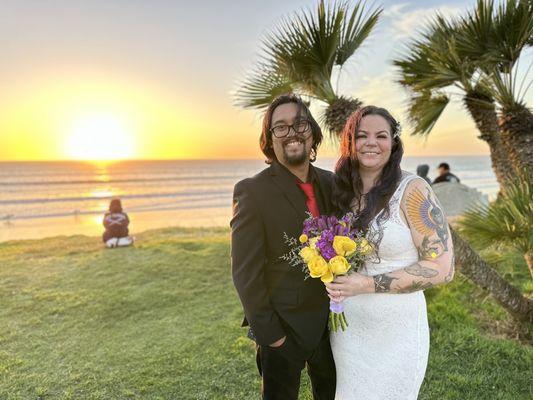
(405,175)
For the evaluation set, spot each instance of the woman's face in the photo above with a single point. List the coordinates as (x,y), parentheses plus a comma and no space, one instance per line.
(373,142)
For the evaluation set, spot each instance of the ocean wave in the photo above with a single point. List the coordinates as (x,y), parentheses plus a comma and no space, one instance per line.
(125,196)
(77,213)
(113,181)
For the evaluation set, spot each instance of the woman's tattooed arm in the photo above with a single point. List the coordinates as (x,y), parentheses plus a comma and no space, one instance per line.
(431,236)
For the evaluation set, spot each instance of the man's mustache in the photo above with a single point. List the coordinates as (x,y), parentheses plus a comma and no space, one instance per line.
(294,138)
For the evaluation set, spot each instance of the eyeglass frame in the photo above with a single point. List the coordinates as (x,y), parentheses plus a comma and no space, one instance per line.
(291,126)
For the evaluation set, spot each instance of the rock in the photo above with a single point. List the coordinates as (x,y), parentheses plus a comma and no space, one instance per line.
(456,198)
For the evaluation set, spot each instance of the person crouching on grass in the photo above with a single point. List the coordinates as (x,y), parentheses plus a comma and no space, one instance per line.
(116,223)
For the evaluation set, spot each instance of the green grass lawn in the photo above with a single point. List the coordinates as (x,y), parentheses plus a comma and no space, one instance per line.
(161,321)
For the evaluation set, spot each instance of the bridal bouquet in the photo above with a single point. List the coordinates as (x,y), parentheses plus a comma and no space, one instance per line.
(329,247)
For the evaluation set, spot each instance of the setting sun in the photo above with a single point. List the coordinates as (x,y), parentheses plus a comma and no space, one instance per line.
(100,137)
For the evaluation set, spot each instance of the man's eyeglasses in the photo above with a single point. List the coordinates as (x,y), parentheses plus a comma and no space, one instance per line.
(300,126)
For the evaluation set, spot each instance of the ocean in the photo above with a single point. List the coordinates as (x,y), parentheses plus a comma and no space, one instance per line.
(41,199)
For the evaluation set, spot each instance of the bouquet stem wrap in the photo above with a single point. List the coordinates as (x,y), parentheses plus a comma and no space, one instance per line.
(336,316)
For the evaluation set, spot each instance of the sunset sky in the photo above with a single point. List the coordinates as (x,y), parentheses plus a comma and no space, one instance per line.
(153,79)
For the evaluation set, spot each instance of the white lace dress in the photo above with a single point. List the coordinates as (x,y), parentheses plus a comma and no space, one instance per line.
(384,351)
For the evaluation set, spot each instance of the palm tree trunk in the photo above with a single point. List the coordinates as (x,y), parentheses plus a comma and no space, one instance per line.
(483,111)
(516,127)
(471,265)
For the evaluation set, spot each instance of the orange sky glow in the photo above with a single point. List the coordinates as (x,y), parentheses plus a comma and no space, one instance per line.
(151,83)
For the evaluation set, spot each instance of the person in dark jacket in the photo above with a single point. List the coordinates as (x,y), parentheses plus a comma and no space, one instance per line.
(116,223)
(422,171)
(445,175)
(287,314)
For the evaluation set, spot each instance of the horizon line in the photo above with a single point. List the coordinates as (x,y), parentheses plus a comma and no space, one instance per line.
(211,159)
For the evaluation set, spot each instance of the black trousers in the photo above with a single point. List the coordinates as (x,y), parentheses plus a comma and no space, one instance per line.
(281,369)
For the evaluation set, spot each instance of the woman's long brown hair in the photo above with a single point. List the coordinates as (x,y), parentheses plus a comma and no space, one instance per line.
(347,183)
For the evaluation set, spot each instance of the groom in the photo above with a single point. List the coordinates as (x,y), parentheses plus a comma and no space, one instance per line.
(287,315)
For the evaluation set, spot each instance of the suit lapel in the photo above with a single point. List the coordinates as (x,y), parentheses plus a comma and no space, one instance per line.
(286,183)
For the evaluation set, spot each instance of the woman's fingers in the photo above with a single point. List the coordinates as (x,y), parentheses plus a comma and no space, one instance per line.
(337,299)
(340,279)
(332,291)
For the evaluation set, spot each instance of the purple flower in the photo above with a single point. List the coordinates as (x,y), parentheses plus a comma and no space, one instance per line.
(328,227)
(332,221)
(325,245)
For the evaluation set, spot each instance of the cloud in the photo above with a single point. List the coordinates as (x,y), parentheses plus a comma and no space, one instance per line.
(381,90)
(403,22)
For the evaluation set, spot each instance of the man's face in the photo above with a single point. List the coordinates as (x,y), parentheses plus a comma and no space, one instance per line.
(442,170)
(295,148)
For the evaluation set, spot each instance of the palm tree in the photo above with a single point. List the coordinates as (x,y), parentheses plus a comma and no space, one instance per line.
(495,40)
(462,54)
(507,222)
(474,56)
(300,56)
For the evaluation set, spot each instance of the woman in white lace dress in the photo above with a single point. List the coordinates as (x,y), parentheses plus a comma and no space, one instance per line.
(384,351)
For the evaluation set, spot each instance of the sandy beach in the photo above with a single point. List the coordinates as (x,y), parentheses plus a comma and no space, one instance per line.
(50,199)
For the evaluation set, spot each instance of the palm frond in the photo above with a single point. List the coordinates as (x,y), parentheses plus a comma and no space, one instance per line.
(509,89)
(476,34)
(513,30)
(355,29)
(301,51)
(434,61)
(424,110)
(303,48)
(508,220)
(261,87)
(495,37)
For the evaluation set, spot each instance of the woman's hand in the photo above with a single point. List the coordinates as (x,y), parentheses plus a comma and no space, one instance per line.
(349,285)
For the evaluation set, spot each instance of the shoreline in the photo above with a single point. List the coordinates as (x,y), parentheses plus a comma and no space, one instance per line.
(91,225)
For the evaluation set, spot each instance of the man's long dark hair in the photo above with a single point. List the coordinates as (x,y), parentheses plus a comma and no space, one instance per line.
(265,141)
(347,183)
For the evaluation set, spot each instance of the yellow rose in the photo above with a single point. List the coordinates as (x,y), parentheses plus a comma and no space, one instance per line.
(308,253)
(365,247)
(339,265)
(327,277)
(317,267)
(303,238)
(312,242)
(344,246)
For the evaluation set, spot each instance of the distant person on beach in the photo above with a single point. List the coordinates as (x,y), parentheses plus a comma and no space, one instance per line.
(422,171)
(445,175)
(116,223)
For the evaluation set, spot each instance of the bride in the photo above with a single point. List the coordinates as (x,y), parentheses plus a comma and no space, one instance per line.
(384,351)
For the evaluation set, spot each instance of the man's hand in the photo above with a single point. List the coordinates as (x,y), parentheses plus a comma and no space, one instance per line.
(279,342)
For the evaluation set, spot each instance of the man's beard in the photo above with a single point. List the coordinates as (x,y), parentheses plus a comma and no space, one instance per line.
(297,159)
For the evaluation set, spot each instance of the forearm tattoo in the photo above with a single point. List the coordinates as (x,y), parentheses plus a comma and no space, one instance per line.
(382,283)
(416,286)
(420,270)
(452,269)
(427,217)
